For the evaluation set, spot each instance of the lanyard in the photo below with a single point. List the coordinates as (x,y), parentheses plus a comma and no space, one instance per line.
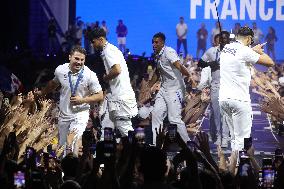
(80,76)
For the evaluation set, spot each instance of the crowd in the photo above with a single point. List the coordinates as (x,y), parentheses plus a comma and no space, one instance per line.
(32,155)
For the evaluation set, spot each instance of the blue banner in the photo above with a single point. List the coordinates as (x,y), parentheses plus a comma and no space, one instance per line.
(144,18)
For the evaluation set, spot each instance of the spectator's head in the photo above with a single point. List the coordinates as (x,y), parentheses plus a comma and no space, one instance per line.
(237,25)
(158,42)
(77,58)
(70,184)
(103,22)
(271,30)
(225,38)
(181,20)
(217,24)
(254,26)
(70,165)
(98,38)
(216,39)
(245,34)
(120,22)
(153,164)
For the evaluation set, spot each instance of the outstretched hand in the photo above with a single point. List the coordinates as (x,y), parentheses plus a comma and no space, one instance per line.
(161,135)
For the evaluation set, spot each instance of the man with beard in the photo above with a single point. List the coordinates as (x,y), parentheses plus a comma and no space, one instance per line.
(79,88)
(120,103)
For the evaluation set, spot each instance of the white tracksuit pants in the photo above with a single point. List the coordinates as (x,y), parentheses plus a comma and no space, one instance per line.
(238,116)
(117,114)
(168,103)
(79,122)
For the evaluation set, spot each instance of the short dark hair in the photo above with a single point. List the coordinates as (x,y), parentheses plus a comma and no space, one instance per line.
(96,33)
(78,48)
(160,35)
(245,31)
(225,32)
(216,36)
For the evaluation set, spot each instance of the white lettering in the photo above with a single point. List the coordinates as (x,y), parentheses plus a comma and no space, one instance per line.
(193,5)
(226,11)
(250,6)
(210,8)
(262,14)
(279,7)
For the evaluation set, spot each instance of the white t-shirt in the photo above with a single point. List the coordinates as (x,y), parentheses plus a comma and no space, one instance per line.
(88,85)
(205,78)
(235,74)
(181,30)
(120,86)
(213,54)
(171,78)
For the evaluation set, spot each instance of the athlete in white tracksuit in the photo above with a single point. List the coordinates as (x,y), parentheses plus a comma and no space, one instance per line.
(235,61)
(219,131)
(120,103)
(170,97)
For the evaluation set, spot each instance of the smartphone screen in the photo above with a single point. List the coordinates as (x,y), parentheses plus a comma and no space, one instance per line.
(140,135)
(247,143)
(30,157)
(108,134)
(109,147)
(267,173)
(19,179)
(268,177)
(172,130)
(130,136)
(191,145)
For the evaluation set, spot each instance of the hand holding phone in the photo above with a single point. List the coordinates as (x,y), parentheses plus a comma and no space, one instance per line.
(263,44)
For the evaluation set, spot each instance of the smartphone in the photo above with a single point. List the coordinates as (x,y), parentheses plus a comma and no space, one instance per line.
(191,145)
(172,130)
(19,179)
(242,153)
(266,162)
(140,135)
(268,176)
(46,159)
(130,136)
(108,134)
(109,148)
(244,167)
(92,149)
(171,155)
(247,143)
(30,157)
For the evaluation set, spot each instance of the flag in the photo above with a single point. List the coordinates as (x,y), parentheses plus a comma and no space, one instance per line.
(9,82)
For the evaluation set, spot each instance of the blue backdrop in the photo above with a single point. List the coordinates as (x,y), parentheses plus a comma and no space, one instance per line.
(144,18)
